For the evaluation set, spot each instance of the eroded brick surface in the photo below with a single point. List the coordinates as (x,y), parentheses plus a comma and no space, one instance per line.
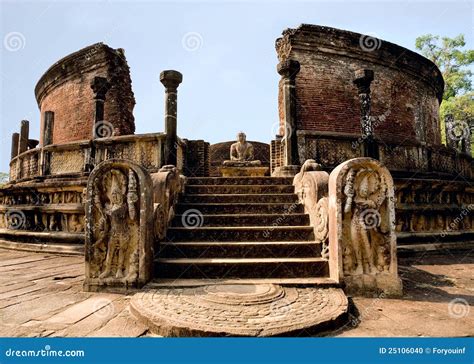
(65,90)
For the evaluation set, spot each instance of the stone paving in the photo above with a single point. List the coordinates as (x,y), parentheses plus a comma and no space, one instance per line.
(41,296)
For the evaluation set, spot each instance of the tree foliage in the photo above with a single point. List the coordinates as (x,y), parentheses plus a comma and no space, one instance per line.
(454,63)
(3,178)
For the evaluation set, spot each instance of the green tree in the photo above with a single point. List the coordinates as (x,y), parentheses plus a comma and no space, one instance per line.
(3,178)
(454,62)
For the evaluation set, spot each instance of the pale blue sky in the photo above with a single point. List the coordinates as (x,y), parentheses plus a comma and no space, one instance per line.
(230,81)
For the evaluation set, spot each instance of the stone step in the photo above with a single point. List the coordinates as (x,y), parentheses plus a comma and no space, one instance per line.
(190,282)
(283,249)
(240,189)
(240,180)
(245,220)
(240,208)
(240,197)
(241,268)
(247,233)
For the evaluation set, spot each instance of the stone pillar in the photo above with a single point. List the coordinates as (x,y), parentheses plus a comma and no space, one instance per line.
(171,80)
(15,139)
(288,70)
(99,86)
(363,79)
(448,128)
(24,133)
(48,128)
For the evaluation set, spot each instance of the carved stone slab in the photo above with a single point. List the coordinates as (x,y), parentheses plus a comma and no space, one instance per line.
(257,310)
(362,240)
(119,226)
(243,171)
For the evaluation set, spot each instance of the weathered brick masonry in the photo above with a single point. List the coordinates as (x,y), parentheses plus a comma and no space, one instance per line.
(405,93)
(65,90)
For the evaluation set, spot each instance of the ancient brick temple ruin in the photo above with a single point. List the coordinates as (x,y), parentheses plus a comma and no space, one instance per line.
(357,173)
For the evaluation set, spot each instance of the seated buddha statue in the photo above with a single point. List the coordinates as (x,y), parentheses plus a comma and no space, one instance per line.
(241,153)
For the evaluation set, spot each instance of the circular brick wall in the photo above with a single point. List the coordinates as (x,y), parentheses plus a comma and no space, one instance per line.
(65,89)
(406,90)
(221,151)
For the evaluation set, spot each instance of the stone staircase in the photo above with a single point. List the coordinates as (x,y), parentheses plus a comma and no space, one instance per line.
(242,228)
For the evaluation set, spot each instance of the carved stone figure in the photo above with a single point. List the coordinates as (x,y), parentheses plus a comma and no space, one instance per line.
(362,226)
(118,215)
(365,193)
(75,224)
(119,227)
(241,153)
(53,223)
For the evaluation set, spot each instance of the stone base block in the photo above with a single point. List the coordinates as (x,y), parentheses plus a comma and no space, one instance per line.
(286,171)
(243,171)
(386,284)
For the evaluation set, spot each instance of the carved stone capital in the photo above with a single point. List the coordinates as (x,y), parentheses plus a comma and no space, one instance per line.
(100,86)
(171,79)
(363,78)
(288,68)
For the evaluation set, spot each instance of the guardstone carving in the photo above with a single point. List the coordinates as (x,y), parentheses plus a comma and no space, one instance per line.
(167,185)
(362,226)
(119,226)
(311,186)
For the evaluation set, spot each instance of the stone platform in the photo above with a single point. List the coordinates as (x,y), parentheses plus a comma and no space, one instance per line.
(240,310)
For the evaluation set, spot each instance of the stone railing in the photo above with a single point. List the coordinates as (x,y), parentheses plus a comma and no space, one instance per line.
(73,159)
(331,149)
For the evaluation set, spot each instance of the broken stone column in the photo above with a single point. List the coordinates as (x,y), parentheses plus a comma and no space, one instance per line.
(24,134)
(362,240)
(100,86)
(448,128)
(15,140)
(48,128)
(363,79)
(120,228)
(171,80)
(288,70)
